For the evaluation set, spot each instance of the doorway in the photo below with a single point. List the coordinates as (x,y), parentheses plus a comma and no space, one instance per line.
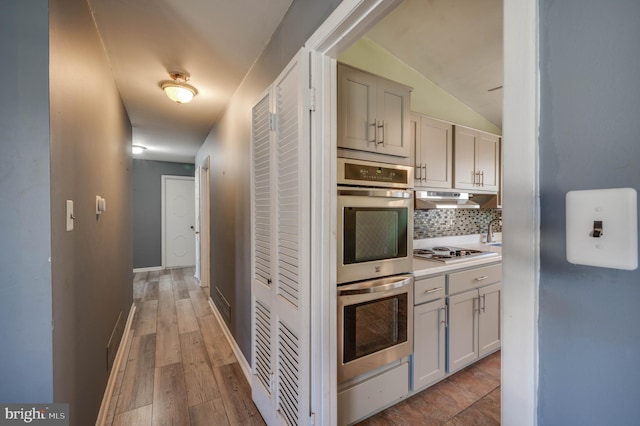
(178,221)
(519,362)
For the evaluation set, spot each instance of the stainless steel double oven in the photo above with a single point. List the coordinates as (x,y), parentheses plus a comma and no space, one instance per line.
(375,247)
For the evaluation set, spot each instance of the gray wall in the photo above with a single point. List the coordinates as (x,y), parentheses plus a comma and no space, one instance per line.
(25,245)
(147,205)
(90,155)
(228,146)
(589,318)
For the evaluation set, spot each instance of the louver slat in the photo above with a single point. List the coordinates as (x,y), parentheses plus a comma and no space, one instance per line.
(288,379)
(263,345)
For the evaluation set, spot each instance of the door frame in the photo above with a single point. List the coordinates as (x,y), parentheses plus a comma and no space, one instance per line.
(163,207)
(348,22)
(203,223)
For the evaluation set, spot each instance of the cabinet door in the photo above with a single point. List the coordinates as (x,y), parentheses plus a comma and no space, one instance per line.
(357,99)
(464,158)
(436,153)
(429,343)
(462,330)
(392,121)
(488,161)
(489,319)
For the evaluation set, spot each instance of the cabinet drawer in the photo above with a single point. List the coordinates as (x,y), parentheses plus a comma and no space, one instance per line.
(429,289)
(473,278)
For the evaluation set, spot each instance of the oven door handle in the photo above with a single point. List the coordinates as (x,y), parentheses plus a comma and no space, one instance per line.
(381,193)
(375,288)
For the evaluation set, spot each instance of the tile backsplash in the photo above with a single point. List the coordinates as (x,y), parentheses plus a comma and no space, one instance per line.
(449,222)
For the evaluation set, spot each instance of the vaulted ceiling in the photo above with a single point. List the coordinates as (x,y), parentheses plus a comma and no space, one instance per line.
(457,44)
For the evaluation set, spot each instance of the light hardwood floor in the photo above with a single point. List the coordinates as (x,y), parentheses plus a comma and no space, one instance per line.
(179,368)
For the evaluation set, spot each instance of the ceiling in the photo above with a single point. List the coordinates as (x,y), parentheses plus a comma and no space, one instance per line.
(455,43)
(216,41)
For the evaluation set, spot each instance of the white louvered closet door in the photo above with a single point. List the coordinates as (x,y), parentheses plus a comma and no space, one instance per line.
(281,247)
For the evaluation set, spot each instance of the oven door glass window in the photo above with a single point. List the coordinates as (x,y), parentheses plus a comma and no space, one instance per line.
(373,326)
(374,234)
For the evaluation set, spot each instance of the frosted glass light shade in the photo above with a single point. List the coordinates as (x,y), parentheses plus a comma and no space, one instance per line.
(179,92)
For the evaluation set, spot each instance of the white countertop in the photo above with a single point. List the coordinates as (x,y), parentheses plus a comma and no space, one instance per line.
(423,268)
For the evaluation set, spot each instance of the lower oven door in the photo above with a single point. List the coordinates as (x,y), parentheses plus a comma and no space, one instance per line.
(375,324)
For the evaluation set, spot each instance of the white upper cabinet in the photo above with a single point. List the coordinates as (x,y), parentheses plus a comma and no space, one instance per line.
(476,160)
(373,113)
(433,155)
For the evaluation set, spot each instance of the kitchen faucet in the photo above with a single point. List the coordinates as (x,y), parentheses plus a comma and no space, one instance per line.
(490,230)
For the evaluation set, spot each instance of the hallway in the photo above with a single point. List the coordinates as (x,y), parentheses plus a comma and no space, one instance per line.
(179,368)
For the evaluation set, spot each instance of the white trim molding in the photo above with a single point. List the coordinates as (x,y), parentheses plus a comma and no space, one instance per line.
(115,368)
(521,214)
(148,269)
(246,368)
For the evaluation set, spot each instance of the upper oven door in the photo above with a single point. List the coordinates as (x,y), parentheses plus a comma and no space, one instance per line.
(375,233)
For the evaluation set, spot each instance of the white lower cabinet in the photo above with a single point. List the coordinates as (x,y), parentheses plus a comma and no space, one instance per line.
(429,344)
(489,330)
(474,316)
(463,330)
(453,329)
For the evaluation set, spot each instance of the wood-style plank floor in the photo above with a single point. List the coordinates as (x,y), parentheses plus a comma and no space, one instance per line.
(179,368)
(470,397)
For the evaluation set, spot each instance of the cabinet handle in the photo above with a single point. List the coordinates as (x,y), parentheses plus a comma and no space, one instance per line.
(433,290)
(482,278)
(418,168)
(476,304)
(482,178)
(375,131)
(484,303)
(381,126)
(424,175)
(444,315)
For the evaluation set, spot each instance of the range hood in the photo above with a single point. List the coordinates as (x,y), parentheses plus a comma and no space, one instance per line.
(444,200)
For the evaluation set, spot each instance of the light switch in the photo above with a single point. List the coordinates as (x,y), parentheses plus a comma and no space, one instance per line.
(70,217)
(101,205)
(602,228)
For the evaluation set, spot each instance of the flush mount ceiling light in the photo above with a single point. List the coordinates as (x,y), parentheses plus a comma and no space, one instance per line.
(177,89)
(137,149)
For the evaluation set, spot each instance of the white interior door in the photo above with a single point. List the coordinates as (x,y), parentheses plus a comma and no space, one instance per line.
(178,208)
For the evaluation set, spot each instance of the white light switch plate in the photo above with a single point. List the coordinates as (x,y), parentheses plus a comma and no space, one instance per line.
(616,245)
(69,215)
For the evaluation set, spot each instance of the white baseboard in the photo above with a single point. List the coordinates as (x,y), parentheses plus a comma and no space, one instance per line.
(246,369)
(115,368)
(149,269)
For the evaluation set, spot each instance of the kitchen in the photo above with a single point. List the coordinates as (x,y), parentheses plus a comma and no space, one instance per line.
(441,166)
